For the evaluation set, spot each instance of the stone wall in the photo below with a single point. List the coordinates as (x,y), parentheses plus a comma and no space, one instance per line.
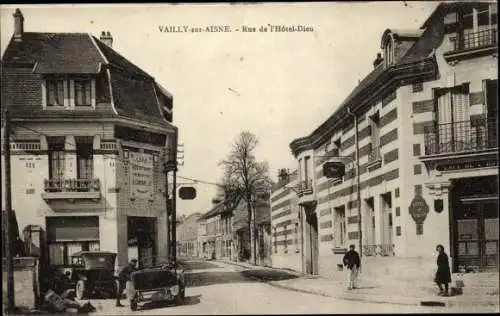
(26,286)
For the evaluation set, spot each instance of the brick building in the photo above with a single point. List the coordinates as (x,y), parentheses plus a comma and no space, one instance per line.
(89,134)
(424,122)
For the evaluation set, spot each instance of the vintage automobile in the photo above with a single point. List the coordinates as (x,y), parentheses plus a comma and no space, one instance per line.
(160,283)
(93,273)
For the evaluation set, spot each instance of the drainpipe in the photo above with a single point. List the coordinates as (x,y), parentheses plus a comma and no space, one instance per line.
(358,186)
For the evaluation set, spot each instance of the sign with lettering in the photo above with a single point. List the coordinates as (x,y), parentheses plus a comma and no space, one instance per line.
(141,174)
(468,165)
(419,209)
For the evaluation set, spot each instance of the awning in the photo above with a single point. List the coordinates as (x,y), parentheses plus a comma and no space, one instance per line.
(78,228)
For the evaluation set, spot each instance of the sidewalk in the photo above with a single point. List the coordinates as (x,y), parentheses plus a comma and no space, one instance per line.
(381,291)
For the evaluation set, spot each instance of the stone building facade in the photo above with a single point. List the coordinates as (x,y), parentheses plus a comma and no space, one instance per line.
(90,132)
(424,124)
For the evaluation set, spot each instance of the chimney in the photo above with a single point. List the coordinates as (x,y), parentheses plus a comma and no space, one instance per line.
(283,176)
(106,38)
(378,60)
(18,25)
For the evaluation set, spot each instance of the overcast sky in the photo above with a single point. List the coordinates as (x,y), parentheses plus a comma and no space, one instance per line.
(277,85)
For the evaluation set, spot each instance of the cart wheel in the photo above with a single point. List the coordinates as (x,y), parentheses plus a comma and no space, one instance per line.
(133,305)
(81,291)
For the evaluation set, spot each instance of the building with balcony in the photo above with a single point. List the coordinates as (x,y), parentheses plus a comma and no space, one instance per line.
(187,235)
(422,127)
(90,132)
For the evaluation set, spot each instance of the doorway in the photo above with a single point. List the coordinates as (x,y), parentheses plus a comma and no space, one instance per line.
(475,224)
(311,243)
(142,240)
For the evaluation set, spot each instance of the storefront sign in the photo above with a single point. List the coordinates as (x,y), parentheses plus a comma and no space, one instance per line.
(141,175)
(467,165)
(419,209)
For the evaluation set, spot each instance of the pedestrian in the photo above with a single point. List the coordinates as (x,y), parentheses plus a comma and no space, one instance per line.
(123,277)
(352,263)
(443,273)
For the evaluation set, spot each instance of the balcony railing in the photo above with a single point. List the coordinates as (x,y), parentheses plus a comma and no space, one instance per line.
(383,250)
(72,185)
(473,135)
(480,39)
(305,187)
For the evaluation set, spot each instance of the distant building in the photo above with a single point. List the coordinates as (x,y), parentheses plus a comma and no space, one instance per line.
(215,232)
(187,235)
(425,122)
(90,132)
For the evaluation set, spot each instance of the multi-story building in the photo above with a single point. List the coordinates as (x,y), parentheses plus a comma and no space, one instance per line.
(421,128)
(187,235)
(215,226)
(89,136)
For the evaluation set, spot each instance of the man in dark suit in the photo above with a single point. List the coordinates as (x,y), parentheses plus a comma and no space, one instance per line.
(352,263)
(123,277)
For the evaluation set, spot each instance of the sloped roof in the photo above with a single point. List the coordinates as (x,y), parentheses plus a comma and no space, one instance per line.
(214,211)
(117,60)
(61,53)
(134,92)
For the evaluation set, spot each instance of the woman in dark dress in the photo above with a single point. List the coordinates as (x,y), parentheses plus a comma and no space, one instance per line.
(443,273)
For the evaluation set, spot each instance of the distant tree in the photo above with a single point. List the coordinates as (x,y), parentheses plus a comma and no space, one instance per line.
(245,177)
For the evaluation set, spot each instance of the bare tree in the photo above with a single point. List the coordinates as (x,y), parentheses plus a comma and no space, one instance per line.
(246,177)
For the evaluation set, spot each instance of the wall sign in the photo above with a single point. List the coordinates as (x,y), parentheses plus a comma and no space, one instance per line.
(419,209)
(467,165)
(141,174)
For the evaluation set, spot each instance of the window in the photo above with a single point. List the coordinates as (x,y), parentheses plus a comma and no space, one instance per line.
(340,227)
(83,93)
(84,156)
(60,252)
(55,92)
(286,238)
(56,158)
(389,52)
(374,137)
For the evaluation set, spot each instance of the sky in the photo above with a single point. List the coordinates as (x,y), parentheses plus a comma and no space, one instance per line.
(278,85)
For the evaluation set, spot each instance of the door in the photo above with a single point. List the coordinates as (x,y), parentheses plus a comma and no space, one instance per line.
(490,247)
(477,244)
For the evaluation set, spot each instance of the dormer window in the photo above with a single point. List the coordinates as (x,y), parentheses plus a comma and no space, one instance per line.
(55,92)
(83,92)
(389,52)
(68,92)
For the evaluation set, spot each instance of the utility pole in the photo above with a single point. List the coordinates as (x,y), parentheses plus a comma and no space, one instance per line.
(8,209)
(167,203)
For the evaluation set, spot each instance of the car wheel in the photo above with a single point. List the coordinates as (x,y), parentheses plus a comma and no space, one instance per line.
(81,291)
(133,305)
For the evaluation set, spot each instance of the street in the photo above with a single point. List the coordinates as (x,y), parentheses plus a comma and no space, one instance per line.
(215,288)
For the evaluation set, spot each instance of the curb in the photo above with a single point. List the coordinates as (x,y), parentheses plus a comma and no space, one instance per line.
(368,298)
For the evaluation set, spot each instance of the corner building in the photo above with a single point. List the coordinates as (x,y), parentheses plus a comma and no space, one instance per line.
(426,130)
(90,132)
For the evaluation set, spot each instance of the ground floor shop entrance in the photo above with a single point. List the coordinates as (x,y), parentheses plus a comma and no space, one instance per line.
(142,244)
(475,238)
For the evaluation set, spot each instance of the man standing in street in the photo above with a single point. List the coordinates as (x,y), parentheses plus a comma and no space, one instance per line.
(352,262)
(123,277)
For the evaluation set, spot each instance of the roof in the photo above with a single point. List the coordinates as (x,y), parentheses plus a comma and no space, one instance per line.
(131,92)
(419,50)
(61,53)
(214,211)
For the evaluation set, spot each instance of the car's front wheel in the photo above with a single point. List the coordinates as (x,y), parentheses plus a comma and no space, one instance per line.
(81,290)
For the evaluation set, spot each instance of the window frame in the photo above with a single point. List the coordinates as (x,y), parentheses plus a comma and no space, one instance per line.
(54,86)
(85,83)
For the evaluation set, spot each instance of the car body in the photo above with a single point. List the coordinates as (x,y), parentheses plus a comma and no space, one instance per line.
(159,283)
(93,273)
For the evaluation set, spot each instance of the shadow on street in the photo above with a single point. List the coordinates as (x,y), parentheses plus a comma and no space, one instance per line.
(188,264)
(209,278)
(188,300)
(268,275)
